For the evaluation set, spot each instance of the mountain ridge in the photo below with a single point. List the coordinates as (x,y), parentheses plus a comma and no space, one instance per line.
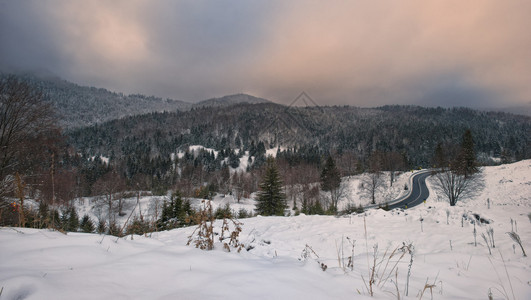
(79,106)
(231,100)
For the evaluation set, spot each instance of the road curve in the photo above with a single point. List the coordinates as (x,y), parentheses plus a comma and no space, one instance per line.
(419,192)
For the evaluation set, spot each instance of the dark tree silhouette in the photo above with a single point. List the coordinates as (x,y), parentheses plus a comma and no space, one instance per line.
(373,181)
(108,189)
(271,200)
(331,182)
(461,178)
(466,161)
(439,159)
(26,123)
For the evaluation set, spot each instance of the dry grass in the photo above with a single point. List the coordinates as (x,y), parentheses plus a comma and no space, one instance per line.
(516,238)
(203,235)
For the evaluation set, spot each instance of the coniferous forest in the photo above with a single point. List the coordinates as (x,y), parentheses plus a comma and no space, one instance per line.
(147,145)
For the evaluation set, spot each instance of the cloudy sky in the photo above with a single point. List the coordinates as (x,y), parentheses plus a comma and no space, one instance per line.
(364,53)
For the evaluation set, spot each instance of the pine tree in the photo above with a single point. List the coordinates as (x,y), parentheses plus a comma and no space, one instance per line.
(439,159)
(73,220)
(86,224)
(330,176)
(175,213)
(102,226)
(316,208)
(177,207)
(63,220)
(114,229)
(234,160)
(44,215)
(466,164)
(138,226)
(271,200)
(331,182)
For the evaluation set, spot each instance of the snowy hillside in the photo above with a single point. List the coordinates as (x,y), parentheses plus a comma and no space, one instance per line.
(302,257)
(149,205)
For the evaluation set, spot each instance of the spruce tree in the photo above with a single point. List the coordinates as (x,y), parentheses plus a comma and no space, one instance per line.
(466,164)
(114,229)
(102,226)
(439,159)
(330,176)
(73,220)
(331,182)
(86,224)
(234,160)
(271,200)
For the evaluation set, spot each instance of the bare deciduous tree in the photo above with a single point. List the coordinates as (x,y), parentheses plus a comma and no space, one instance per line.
(109,188)
(348,163)
(372,182)
(462,178)
(371,185)
(393,162)
(456,186)
(25,122)
(237,185)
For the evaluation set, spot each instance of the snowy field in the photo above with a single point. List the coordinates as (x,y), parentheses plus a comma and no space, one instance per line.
(302,257)
(151,205)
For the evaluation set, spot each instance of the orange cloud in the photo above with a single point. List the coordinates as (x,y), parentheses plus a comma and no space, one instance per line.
(107,36)
(356,47)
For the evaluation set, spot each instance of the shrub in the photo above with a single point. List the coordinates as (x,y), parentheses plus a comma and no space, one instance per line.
(114,229)
(203,235)
(243,213)
(86,224)
(351,208)
(139,226)
(223,212)
(102,226)
(175,213)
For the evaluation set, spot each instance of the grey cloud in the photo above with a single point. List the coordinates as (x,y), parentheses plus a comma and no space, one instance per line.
(360,52)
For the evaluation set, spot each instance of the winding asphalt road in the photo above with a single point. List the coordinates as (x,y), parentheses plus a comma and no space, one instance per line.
(419,192)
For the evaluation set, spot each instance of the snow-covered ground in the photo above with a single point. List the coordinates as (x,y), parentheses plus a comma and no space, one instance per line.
(195,149)
(149,205)
(287,255)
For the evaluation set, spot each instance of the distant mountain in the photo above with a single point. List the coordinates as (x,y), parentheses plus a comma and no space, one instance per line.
(231,100)
(80,106)
(519,110)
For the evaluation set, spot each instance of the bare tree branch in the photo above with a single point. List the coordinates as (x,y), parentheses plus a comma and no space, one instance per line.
(24,119)
(457,186)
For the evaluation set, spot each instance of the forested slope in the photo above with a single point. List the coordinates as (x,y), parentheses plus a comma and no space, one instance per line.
(410,130)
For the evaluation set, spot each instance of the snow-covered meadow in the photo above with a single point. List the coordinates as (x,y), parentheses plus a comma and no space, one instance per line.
(151,206)
(298,257)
